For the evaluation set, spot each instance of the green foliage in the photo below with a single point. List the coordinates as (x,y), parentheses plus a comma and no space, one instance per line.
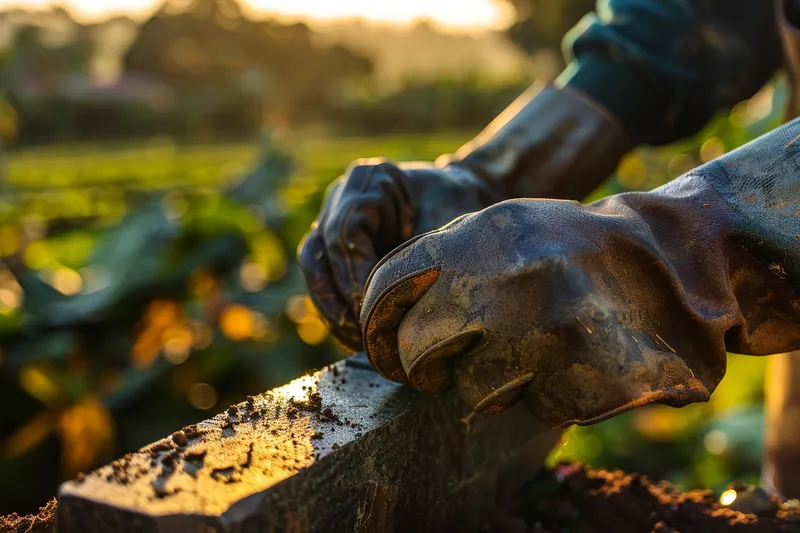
(163,293)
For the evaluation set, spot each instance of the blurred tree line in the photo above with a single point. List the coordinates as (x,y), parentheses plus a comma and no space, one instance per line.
(200,69)
(206,69)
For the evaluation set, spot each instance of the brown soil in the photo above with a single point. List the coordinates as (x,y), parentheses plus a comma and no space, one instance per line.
(576,499)
(38,523)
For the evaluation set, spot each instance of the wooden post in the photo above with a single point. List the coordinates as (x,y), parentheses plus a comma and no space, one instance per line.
(782,425)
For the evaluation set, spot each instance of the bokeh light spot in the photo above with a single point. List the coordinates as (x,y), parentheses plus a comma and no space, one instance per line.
(728,497)
(632,172)
(716,442)
(253,276)
(313,333)
(712,149)
(237,322)
(66,281)
(36,381)
(202,396)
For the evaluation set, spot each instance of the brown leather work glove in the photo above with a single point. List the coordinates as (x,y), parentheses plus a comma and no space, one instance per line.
(553,143)
(586,311)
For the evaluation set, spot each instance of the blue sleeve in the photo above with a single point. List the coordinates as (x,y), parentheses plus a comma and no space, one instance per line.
(665,67)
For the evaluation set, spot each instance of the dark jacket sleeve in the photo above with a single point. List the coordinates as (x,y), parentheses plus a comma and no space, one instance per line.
(665,67)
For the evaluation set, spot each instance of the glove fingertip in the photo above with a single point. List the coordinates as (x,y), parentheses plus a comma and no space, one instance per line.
(382,316)
(335,312)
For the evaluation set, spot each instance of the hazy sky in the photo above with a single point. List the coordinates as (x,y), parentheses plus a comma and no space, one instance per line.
(485,13)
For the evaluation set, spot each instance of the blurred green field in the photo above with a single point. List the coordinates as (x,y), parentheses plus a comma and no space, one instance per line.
(97,184)
(57,200)
(90,179)
(159,162)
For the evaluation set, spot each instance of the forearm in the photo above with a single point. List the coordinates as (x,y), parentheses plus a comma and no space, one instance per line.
(665,68)
(640,72)
(553,143)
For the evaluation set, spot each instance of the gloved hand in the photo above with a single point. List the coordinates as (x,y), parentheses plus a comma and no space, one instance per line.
(551,143)
(375,207)
(586,311)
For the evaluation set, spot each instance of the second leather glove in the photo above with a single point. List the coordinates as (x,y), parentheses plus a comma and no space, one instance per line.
(585,311)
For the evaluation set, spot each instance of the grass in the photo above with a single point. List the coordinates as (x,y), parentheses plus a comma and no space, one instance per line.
(159,163)
(99,180)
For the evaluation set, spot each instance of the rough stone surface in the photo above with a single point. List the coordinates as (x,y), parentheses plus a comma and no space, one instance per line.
(340,450)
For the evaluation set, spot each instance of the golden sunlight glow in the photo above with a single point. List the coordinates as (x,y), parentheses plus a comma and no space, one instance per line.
(299,389)
(454,13)
(451,12)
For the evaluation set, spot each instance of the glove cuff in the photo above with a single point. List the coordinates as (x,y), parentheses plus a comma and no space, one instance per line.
(553,143)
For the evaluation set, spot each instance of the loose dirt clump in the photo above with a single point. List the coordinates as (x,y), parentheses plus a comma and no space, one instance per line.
(38,523)
(577,499)
(312,404)
(179,438)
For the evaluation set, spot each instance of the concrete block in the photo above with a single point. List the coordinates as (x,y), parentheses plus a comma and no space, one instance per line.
(339,450)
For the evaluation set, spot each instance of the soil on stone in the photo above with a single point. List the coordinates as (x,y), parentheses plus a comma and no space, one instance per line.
(38,523)
(576,499)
